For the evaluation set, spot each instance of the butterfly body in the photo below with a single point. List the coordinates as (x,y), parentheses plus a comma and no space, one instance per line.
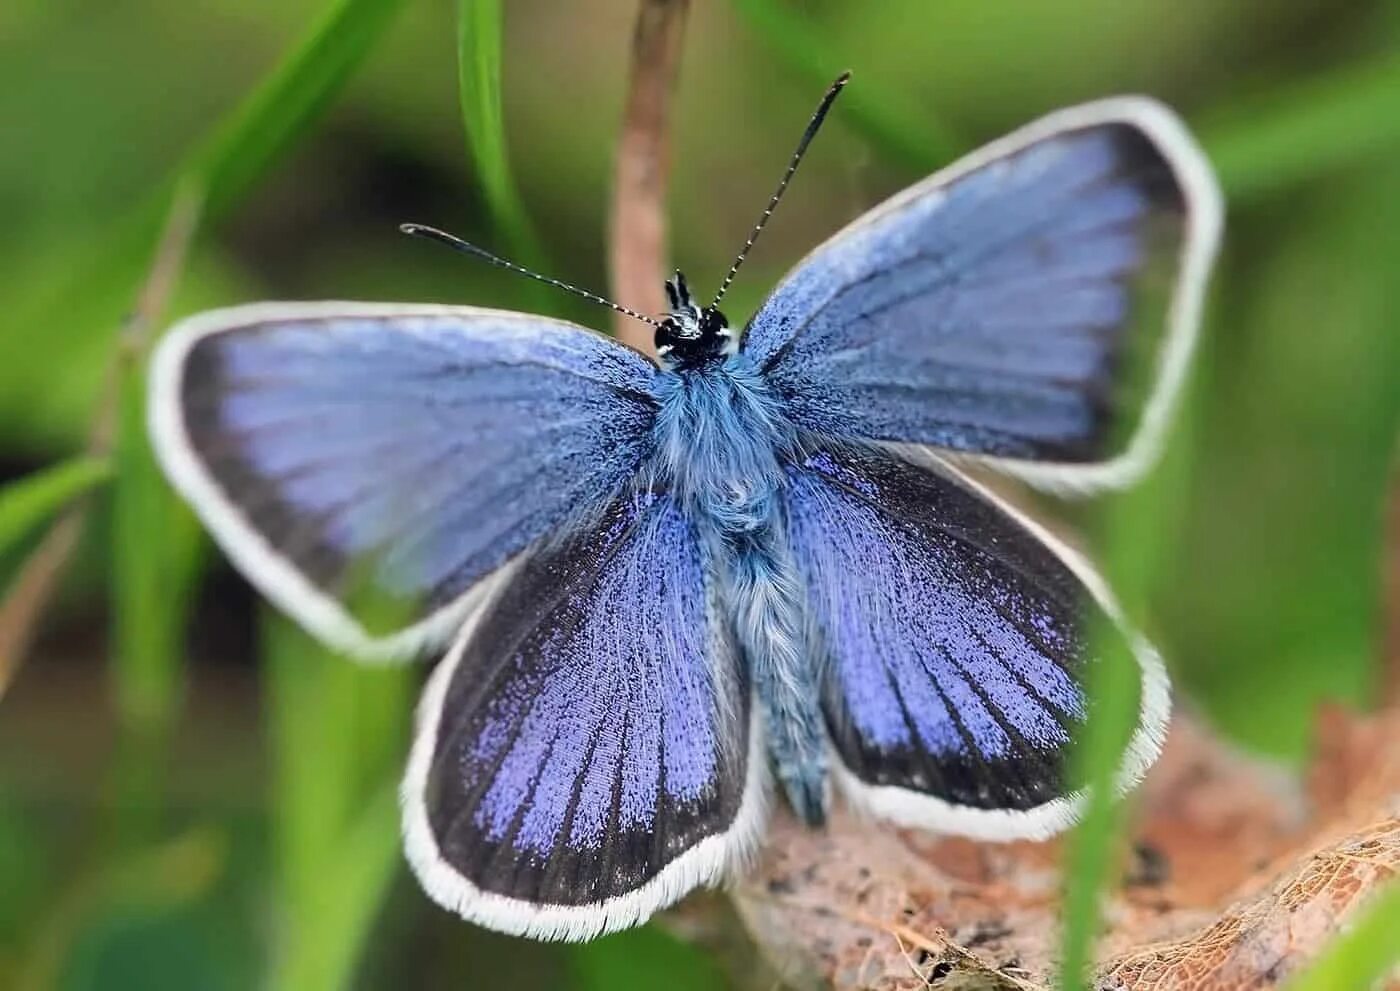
(723,444)
(660,587)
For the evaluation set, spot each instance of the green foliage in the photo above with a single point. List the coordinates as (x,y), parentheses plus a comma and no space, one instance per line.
(27,503)
(1314,127)
(280,111)
(643,958)
(87,295)
(127,914)
(1296,446)
(338,734)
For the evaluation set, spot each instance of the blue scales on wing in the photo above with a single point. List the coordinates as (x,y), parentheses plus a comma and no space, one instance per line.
(405,454)
(952,639)
(588,745)
(989,309)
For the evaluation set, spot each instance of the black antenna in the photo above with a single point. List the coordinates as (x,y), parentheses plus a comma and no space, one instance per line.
(467,248)
(813,126)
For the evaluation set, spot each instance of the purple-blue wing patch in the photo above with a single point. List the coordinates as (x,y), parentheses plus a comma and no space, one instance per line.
(402,456)
(953,636)
(593,730)
(989,313)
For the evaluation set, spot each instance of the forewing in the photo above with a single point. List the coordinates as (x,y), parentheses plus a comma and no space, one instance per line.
(396,455)
(583,753)
(992,308)
(952,635)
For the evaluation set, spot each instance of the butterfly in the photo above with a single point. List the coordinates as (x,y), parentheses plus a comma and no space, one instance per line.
(668,589)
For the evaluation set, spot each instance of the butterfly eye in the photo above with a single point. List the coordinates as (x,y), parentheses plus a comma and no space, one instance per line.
(714,322)
(668,334)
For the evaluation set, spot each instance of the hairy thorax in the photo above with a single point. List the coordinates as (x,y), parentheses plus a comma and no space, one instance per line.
(721,440)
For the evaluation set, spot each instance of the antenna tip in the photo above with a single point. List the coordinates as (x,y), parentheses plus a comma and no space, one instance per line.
(428,233)
(842,79)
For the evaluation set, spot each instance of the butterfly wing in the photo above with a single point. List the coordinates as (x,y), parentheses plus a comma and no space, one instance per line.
(583,752)
(990,309)
(343,453)
(953,639)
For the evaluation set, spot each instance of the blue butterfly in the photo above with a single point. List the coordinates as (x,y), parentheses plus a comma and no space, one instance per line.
(662,588)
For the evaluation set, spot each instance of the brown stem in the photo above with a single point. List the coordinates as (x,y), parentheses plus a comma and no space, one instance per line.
(32,588)
(29,594)
(638,231)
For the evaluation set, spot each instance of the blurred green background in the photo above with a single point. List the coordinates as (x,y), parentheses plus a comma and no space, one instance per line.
(192,795)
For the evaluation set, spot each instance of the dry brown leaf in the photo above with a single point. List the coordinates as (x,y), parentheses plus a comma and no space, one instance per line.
(1237,874)
(1236,877)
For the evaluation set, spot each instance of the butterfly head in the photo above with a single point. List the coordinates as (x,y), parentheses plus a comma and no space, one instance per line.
(691,335)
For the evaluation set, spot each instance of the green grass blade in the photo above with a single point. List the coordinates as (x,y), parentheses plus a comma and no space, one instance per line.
(1089,849)
(281,110)
(27,503)
(338,733)
(1136,534)
(156,552)
(155,540)
(479,27)
(366,858)
(1113,690)
(1306,130)
(1365,953)
(908,134)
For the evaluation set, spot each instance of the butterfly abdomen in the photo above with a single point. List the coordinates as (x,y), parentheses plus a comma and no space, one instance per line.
(721,440)
(766,606)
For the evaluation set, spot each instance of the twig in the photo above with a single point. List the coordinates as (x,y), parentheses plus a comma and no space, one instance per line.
(32,589)
(638,232)
(181,223)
